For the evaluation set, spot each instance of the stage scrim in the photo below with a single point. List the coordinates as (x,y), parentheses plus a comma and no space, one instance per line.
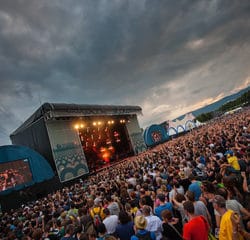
(67,150)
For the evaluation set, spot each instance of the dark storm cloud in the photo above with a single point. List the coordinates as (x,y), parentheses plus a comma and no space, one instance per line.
(150,53)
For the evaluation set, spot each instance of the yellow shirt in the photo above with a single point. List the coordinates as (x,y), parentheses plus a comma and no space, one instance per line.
(233,161)
(226,227)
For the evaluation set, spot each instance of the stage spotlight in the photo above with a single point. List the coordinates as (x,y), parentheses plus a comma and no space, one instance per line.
(82,126)
(76,126)
(99,123)
(94,123)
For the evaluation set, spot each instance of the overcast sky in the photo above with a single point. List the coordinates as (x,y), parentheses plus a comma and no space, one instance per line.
(167,56)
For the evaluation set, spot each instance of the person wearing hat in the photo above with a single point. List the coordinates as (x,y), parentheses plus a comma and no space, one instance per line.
(140,224)
(232,160)
(227,230)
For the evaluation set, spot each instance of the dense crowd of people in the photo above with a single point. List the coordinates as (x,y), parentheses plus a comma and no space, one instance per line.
(195,186)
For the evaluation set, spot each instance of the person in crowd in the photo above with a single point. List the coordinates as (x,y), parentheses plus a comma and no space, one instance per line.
(154,223)
(197,227)
(164,205)
(208,193)
(169,225)
(69,232)
(227,232)
(113,206)
(96,212)
(125,229)
(195,187)
(102,232)
(233,204)
(233,163)
(200,208)
(237,227)
(140,229)
(110,221)
(146,195)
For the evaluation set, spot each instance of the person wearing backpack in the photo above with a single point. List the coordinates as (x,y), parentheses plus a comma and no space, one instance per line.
(140,229)
(96,212)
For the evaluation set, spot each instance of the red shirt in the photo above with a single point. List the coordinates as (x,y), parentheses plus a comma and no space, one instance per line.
(196,229)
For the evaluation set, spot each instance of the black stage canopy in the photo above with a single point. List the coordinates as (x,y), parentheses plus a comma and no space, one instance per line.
(63,110)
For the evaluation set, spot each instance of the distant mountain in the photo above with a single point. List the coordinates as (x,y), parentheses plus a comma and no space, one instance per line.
(214,106)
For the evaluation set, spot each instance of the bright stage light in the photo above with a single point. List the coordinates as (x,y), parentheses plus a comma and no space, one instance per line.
(76,126)
(99,123)
(110,122)
(82,126)
(94,123)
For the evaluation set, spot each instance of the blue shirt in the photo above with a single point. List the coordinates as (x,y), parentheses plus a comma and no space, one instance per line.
(195,188)
(166,206)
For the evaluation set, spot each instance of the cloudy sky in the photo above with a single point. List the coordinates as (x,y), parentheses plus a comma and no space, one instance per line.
(169,57)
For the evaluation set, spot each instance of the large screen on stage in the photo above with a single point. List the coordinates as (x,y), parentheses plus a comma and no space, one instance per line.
(15,173)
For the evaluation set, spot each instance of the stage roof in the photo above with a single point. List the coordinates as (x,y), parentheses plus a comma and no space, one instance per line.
(63,110)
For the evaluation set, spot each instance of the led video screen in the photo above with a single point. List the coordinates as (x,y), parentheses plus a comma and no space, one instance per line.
(15,173)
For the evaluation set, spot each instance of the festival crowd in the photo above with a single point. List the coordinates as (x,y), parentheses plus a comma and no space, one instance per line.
(195,186)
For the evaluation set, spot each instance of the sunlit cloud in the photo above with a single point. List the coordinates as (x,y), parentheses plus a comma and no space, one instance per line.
(245,84)
(195,44)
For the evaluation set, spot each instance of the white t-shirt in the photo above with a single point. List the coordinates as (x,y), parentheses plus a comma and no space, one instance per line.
(154,224)
(111,223)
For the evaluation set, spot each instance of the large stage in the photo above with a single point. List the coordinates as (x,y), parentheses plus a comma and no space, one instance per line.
(80,139)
